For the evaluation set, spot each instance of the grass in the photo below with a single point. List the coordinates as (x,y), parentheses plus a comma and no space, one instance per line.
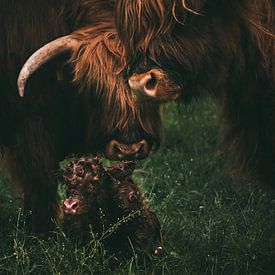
(212,225)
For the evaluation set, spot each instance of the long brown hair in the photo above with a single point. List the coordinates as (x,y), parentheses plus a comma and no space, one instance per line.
(225,48)
(147,26)
(99,64)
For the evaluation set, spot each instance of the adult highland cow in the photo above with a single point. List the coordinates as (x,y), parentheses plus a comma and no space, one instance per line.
(179,49)
(76,100)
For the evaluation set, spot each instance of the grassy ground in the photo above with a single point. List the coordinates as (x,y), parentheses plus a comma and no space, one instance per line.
(212,225)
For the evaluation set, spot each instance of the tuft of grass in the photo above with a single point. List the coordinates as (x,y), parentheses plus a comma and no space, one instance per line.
(211,224)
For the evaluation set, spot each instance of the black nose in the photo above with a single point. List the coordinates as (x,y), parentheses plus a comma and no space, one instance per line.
(120,151)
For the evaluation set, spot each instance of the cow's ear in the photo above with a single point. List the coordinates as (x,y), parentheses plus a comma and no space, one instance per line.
(122,171)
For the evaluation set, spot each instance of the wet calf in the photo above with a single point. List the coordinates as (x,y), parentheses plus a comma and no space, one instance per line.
(108,201)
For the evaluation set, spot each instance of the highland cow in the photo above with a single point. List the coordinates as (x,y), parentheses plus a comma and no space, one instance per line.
(107,201)
(76,100)
(179,50)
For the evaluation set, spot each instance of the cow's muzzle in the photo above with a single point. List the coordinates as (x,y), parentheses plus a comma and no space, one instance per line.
(116,150)
(154,84)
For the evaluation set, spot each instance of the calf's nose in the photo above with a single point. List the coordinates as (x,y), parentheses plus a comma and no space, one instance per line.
(71,206)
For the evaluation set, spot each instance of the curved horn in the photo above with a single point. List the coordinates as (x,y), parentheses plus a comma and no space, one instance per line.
(42,56)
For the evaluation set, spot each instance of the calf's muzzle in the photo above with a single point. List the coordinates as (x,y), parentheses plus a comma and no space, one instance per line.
(71,206)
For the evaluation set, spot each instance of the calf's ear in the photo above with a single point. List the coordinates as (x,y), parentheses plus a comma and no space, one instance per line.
(123,170)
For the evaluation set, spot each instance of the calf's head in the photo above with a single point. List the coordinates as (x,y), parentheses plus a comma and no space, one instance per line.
(83,179)
(89,185)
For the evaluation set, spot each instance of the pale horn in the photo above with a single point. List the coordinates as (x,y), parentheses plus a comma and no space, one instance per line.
(42,56)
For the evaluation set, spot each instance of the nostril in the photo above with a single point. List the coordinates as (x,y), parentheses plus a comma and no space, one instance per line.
(71,205)
(115,148)
(74,205)
(140,148)
(152,82)
(118,152)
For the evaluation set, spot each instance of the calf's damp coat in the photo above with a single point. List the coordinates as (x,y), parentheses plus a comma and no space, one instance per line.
(110,203)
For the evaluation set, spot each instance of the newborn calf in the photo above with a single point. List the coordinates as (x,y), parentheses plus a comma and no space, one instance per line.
(112,204)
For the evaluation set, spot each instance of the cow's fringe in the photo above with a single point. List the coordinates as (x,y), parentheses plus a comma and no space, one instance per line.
(225,47)
(99,65)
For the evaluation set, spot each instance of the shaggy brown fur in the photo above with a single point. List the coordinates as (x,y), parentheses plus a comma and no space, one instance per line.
(54,119)
(110,87)
(112,204)
(225,48)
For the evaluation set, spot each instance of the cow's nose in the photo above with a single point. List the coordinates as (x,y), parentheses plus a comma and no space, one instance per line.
(154,84)
(71,206)
(116,150)
(146,83)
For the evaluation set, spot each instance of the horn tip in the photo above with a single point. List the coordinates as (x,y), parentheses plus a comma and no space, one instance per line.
(21,90)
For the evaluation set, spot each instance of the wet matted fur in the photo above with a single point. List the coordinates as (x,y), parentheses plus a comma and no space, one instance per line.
(107,201)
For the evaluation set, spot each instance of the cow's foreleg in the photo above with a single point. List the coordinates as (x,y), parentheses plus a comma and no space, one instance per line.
(249,133)
(31,164)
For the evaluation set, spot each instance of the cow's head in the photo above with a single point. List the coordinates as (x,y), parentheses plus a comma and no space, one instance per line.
(117,125)
(179,48)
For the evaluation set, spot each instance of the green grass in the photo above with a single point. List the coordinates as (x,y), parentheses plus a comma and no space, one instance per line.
(211,224)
